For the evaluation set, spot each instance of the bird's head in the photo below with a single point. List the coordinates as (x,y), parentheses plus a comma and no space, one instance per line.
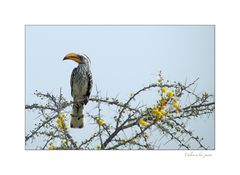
(80,59)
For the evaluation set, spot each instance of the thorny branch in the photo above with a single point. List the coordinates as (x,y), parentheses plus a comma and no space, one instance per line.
(129,125)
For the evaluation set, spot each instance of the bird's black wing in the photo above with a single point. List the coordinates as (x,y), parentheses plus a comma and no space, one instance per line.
(90,83)
(71,80)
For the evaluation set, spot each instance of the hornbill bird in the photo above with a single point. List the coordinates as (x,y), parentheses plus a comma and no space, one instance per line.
(81,86)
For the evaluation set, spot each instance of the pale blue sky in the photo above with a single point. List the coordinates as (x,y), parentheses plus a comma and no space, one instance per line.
(124,58)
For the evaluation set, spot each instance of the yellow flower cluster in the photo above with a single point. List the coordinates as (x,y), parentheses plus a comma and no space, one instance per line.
(100,122)
(51,147)
(163,103)
(170,94)
(60,123)
(176,105)
(161,110)
(158,112)
(164,89)
(142,122)
(64,145)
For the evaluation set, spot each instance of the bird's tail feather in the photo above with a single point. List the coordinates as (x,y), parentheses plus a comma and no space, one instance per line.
(77,120)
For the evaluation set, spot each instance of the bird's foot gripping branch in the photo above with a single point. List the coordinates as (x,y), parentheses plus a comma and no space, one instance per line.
(135,123)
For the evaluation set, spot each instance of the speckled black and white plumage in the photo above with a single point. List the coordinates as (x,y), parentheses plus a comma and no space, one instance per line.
(81,83)
(81,86)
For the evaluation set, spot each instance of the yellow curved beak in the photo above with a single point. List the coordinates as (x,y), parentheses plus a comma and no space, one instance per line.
(72,56)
